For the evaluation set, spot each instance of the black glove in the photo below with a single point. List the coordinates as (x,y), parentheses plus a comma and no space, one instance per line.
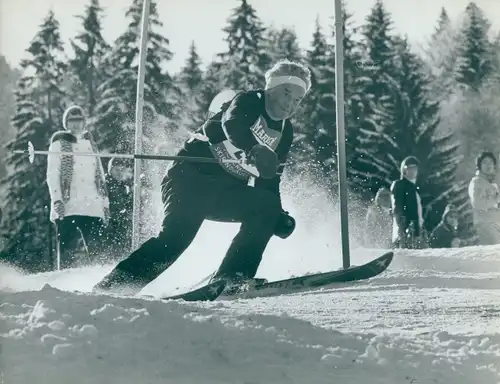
(285,225)
(265,160)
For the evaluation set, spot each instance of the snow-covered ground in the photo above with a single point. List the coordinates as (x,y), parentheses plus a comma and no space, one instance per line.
(433,317)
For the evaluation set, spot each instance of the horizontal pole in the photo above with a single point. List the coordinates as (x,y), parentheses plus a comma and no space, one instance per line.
(32,152)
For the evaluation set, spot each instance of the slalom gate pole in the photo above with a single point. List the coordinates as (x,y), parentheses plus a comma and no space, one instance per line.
(141,71)
(341,154)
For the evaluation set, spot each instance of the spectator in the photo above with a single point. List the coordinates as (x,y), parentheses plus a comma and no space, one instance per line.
(77,186)
(445,234)
(120,186)
(406,206)
(485,196)
(378,221)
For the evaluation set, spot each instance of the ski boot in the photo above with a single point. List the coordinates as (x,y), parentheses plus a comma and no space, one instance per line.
(118,283)
(239,284)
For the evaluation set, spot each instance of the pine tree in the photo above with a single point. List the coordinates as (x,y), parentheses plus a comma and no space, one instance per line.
(495,75)
(310,119)
(474,62)
(378,52)
(354,96)
(115,112)
(184,99)
(441,56)
(376,90)
(438,151)
(212,83)
(444,23)
(283,44)
(317,138)
(415,132)
(191,74)
(37,116)
(8,79)
(89,49)
(245,60)
(475,120)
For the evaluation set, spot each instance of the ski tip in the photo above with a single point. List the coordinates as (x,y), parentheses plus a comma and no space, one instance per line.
(389,254)
(384,260)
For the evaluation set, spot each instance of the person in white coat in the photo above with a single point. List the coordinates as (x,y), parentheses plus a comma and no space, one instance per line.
(77,185)
(484,195)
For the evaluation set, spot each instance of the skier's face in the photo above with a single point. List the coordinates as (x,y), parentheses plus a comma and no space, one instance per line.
(488,166)
(283,100)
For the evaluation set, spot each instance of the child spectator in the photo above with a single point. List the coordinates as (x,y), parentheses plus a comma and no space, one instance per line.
(445,234)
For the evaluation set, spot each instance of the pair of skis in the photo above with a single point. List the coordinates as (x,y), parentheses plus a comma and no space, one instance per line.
(212,291)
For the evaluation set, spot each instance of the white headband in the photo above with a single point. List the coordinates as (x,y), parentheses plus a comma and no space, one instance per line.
(274,81)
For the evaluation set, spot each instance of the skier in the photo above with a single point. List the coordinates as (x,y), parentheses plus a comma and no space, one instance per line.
(406,205)
(254,126)
(77,186)
(485,196)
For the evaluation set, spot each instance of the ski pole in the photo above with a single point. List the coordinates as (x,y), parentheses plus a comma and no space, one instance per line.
(31,153)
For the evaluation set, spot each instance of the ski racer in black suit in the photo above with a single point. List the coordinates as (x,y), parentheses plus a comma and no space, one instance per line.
(254,126)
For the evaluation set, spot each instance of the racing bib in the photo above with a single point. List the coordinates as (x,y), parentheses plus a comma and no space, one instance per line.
(227,151)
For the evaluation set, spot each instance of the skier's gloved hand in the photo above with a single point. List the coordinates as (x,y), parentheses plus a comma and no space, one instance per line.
(59,208)
(285,225)
(264,159)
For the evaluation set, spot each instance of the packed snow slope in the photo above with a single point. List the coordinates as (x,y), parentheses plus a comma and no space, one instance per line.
(433,317)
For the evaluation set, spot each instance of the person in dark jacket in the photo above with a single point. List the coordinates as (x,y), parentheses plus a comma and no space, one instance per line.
(120,188)
(253,127)
(445,234)
(406,205)
(378,221)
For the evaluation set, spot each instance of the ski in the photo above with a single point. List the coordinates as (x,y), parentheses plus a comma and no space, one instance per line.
(316,281)
(215,290)
(207,292)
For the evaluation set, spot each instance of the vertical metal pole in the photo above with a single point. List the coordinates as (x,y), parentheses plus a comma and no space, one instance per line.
(341,156)
(50,224)
(138,121)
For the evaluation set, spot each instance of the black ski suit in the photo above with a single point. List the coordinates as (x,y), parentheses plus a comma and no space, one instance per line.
(193,192)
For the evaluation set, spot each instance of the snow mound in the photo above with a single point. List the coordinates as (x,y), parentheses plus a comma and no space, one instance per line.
(52,336)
